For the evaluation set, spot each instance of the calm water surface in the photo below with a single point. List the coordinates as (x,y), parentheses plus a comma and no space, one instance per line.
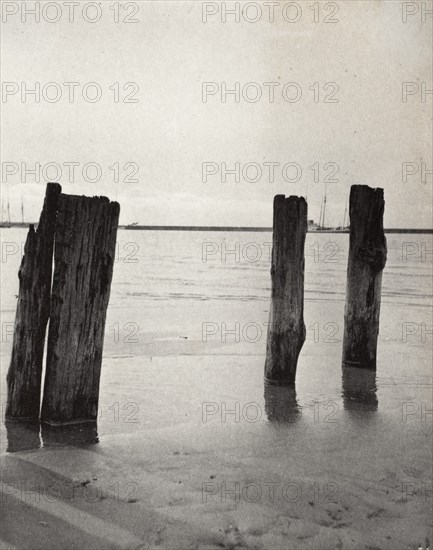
(186,335)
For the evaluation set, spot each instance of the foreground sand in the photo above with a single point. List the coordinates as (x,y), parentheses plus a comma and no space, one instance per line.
(145,490)
(293,480)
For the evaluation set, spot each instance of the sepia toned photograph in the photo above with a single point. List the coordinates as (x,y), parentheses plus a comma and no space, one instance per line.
(216,275)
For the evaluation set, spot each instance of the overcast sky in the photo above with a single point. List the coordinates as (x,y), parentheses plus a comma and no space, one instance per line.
(170,132)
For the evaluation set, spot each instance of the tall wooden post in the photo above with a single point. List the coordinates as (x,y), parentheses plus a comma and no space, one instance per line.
(76,435)
(33,307)
(281,404)
(84,254)
(367,258)
(359,389)
(22,436)
(286,330)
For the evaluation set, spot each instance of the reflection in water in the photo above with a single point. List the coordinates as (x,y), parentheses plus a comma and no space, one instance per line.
(79,435)
(359,389)
(22,436)
(281,404)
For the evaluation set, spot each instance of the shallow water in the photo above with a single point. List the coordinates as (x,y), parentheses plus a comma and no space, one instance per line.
(186,335)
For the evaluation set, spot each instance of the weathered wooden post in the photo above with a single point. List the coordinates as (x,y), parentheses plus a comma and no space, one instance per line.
(286,330)
(359,389)
(84,253)
(22,436)
(367,258)
(33,307)
(281,404)
(76,435)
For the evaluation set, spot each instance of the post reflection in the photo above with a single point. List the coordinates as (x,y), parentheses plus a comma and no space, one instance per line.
(22,436)
(281,404)
(78,435)
(359,389)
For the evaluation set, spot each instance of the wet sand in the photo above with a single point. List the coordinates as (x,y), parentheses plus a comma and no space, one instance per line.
(295,478)
(171,495)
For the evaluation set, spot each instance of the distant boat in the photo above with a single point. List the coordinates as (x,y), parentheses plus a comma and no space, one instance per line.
(3,224)
(22,209)
(312,225)
(323,213)
(7,224)
(343,226)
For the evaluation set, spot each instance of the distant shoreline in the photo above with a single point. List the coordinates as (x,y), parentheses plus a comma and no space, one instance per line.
(252,229)
(239,229)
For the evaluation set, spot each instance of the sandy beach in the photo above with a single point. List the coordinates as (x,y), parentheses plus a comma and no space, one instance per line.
(192,451)
(233,485)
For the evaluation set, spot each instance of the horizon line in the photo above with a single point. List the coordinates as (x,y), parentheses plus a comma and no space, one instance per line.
(5,225)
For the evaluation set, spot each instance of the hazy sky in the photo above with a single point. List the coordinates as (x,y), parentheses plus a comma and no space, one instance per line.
(170,132)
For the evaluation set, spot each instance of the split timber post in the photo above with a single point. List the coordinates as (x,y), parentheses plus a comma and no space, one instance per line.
(33,307)
(84,254)
(286,329)
(367,258)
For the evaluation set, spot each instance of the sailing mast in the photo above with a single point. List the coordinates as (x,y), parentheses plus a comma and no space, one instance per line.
(8,210)
(343,225)
(324,209)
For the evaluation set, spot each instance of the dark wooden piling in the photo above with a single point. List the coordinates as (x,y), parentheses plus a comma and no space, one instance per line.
(33,307)
(367,258)
(281,404)
(286,330)
(359,389)
(22,436)
(83,256)
(75,435)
